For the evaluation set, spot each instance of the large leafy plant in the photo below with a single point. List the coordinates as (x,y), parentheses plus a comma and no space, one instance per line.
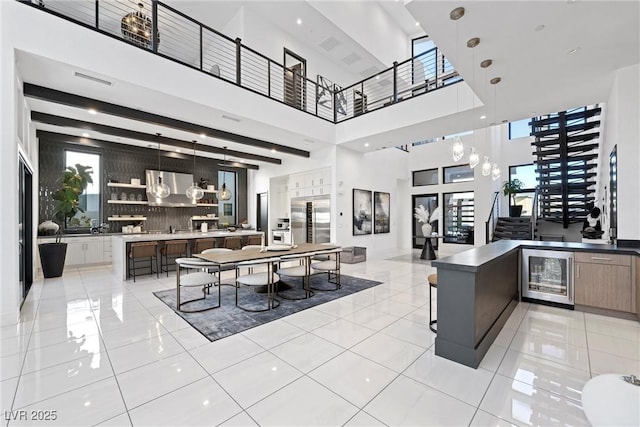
(72,181)
(512,187)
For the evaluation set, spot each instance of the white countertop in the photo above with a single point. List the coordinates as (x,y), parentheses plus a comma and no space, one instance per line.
(183,235)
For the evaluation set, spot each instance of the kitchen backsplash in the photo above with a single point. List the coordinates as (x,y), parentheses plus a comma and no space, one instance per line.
(120,164)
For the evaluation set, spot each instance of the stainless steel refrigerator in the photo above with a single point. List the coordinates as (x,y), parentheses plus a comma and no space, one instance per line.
(311,219)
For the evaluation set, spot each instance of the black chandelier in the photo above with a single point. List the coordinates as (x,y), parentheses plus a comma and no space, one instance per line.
(137,28)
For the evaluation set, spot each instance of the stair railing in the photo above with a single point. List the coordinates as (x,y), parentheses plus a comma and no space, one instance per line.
(490,224)
(164,31)
(534,214)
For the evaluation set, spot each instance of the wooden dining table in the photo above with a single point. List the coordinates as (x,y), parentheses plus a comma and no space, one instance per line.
(272,251)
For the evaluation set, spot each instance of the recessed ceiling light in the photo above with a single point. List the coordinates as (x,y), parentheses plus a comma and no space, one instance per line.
(203,135)
(86,135)
(92,111)
(178,150)
(273,150)
(366,144)
(417,24)
(539,27)
(299,21)
(574,50)
(483,117)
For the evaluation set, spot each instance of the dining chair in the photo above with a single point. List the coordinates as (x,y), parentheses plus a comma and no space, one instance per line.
(201,278)
(266,278)
(331,266)
(217,268)
(301,269)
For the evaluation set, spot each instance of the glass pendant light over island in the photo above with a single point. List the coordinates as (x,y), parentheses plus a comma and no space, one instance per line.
(224,193)
(194,192)
(159,189)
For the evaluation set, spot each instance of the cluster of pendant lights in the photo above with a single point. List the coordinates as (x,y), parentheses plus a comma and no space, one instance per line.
(458,150)
(161,190)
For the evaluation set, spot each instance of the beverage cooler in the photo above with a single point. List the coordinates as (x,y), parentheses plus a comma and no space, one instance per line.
(547,276)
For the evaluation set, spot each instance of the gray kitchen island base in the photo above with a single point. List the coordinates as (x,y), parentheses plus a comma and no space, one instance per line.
(477,292)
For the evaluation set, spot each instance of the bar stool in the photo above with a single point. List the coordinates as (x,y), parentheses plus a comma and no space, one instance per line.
(433,283)
(232,242)
(254,240)
(139,250)
(172,249)
(201,244)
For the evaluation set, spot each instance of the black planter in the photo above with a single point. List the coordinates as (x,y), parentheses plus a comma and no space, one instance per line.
(515,211)
(52,256)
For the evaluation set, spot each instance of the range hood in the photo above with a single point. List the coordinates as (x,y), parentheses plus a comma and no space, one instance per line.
(177,182)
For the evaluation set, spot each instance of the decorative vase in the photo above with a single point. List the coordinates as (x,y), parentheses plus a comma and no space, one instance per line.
(48,227)
(426,229)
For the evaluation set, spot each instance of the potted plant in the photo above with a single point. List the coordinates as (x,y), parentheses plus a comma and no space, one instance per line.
(510,188)
(72,181)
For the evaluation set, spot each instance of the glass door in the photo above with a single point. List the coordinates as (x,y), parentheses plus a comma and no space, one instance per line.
(547,275)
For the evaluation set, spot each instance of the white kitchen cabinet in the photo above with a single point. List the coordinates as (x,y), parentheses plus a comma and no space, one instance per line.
(296,182)
(84,250)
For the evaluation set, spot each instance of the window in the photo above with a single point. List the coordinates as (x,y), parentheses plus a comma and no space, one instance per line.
(90,198)
(425,177)
(227,209)
(527,175)
(462,173)
(459,218)
(519,129)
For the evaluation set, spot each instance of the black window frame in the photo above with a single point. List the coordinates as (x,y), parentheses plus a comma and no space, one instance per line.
(97,182)
(444,169)
(413,177)
(469,239)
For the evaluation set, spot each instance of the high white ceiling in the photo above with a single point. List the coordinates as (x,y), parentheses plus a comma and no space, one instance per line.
(528,41)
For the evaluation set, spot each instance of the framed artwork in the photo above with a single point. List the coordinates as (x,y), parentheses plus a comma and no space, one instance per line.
(362,212)
(381,209)
(341,100)
(325,89)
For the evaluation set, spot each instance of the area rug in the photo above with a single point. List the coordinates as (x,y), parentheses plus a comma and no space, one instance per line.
(229,319)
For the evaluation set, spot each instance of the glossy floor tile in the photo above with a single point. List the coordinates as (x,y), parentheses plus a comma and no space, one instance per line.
(113,354)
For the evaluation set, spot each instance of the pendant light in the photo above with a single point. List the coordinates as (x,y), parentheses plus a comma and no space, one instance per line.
(486,167)
(495,171)
(194,192)
(474,158)
(224,193)
(159,189)
(457,149)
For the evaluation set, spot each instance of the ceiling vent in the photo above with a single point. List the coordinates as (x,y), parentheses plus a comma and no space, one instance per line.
(93,79)
(233,119)
(329,43)
(351,58)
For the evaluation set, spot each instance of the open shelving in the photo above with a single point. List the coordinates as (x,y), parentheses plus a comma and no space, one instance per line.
(127,202)
(204,218)
(127,218)
(123,185)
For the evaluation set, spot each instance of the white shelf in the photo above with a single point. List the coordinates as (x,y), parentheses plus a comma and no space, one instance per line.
(127,218)
(122,185)
(127,202)
(204,218)
(215,205)
(211,191)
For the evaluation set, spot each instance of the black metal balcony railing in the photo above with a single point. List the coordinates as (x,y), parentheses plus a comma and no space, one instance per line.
(156,27)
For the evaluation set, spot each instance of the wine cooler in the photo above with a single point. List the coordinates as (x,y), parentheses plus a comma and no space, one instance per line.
(548,276)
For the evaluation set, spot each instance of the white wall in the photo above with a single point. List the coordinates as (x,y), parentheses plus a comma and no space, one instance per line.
(622,128)
(384,171)
(370,26)
(255,28)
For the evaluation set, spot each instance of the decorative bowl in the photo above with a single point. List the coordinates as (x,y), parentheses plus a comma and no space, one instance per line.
(245,226)
(231,229)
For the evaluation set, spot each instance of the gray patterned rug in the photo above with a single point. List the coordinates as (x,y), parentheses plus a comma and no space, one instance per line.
(229,319)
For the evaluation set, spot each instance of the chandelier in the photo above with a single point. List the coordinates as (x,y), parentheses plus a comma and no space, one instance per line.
(137,28)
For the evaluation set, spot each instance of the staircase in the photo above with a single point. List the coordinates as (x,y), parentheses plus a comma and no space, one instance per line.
(510,228)
(566,150)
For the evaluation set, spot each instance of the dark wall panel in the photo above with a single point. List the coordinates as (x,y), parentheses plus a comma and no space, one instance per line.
(121,164)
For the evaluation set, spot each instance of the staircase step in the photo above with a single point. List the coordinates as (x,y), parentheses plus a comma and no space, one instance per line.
(584,157)
(584,114)
(583,137)
(569,168)
(584,148)
(570,129)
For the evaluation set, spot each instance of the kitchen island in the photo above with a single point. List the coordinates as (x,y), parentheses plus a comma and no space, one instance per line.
(120,243)
(478,290)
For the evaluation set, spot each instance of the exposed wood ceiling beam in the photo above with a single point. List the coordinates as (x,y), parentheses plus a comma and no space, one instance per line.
(69,99)
(141,136)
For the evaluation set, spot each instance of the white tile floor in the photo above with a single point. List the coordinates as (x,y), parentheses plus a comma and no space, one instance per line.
(100,352)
